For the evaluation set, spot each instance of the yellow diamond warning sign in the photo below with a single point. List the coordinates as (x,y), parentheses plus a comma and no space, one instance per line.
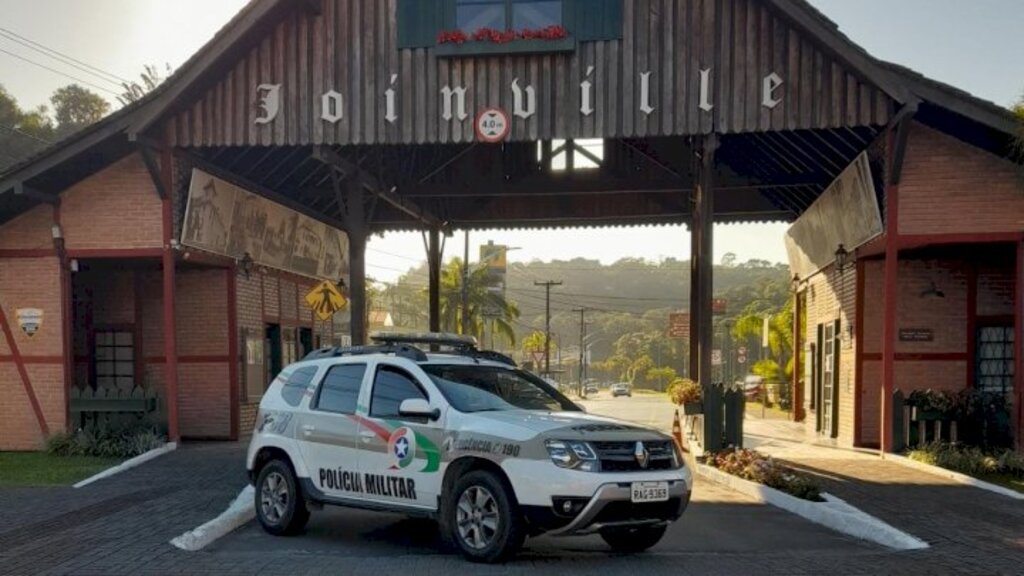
(325,300)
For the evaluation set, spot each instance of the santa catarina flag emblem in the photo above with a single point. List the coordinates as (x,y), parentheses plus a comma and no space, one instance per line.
(402,447)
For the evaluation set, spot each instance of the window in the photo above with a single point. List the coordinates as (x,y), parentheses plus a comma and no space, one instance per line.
(472,15)
(115,360)
(390,388)
(995,359)
(296,385)
(488,389)
(339,391)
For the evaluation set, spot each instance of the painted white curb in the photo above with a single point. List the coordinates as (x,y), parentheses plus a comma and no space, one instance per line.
(952,475)
(238,513)
(129,464)
(833,513)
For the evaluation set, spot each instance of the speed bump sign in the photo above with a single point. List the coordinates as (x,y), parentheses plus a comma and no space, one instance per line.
(325,300)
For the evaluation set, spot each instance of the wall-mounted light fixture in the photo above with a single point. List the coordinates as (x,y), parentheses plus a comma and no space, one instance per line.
(795,283)
(56,232)
(842,259)
(933,291)
(247,264)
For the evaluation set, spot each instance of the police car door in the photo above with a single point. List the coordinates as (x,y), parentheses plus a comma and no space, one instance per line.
(400,458)
(328,432)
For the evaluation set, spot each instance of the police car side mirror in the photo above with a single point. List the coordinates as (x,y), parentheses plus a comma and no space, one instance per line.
(418,408)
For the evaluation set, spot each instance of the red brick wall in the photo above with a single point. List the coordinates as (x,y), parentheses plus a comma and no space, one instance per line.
(31,230)
(31,283)
(952,187)
(116,208)
(830,296)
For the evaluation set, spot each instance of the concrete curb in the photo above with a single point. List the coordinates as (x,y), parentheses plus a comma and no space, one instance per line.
(952,475)
(833,513)
(129,464)
(241,510)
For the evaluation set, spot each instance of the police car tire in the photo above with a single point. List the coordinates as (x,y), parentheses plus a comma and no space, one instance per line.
(511,531)
(633,539)
(295,516)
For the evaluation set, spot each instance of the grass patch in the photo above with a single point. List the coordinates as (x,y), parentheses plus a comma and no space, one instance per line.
(1003,467)
(1006,481)
(42,469)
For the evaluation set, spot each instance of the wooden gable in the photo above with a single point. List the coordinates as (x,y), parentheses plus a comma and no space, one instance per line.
(682,67)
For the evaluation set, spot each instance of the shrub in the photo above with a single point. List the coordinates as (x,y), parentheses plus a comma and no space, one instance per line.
(107,441)
(685,391)
(756,467)
(969,459)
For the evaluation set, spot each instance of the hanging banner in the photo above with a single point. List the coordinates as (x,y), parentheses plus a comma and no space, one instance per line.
(225,219)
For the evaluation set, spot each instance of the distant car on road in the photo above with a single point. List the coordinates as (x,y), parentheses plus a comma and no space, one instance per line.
(592,389)
(752,387)
(621,389)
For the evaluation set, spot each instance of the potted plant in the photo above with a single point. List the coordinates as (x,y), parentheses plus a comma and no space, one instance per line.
(930,405)
(688,394)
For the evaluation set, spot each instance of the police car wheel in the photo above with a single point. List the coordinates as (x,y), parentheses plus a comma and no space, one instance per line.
(279,505)
(483,518)
(633,539)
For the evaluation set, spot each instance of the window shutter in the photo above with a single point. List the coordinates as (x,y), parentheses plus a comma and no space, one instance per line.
(419,22)
(593,20)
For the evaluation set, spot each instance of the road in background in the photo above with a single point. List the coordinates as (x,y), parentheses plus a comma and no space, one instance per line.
(652,410)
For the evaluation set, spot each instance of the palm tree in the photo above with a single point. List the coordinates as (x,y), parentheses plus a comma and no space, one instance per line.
(480,298)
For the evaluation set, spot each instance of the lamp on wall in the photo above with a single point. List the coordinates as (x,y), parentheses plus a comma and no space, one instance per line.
(795,283)
(933,290)
(842,258)
(247,264)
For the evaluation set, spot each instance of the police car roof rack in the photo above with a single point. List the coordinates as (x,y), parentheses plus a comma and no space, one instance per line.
(401,350)
(456,343)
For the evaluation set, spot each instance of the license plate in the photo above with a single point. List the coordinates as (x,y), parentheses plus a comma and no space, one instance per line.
(649,492)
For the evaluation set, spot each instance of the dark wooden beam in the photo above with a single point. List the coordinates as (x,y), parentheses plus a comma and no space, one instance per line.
(22,189)
(314,7)
(903,121)
(153,167)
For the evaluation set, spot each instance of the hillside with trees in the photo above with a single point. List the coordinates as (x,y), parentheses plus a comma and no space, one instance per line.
(627,308)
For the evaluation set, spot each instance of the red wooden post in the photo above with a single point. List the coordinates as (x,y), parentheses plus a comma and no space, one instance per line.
(231,275)
(891,285)
(170,326)
(1018,323)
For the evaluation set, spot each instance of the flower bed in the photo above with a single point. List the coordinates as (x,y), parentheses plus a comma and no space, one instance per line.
(1004,467)
(108,441)
(502,36)
(756,467)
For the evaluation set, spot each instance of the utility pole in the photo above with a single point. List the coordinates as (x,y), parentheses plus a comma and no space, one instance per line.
(583,337)
(465,287)
(547,323)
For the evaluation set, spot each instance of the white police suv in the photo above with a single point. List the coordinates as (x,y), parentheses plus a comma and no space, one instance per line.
(492,452)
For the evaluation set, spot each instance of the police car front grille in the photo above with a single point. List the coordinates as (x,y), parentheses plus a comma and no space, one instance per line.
(621,456)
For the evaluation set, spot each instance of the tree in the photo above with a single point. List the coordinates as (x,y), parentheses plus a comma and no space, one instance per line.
(479,299)
(22,133)
(661,376)
(150,78)
(75,108)
(729,260)
(1018,143)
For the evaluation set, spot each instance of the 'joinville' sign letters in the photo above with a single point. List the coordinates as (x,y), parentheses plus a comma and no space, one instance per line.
(524,99)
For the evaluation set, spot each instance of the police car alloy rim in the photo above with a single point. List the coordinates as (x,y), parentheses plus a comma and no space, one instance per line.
(477,517)
(274,497)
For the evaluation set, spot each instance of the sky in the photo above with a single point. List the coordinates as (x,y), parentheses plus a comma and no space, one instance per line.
(975,45)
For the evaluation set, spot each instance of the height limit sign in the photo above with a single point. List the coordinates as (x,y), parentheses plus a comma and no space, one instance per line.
(492,125)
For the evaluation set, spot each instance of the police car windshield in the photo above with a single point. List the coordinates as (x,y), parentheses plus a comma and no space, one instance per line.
(475,388)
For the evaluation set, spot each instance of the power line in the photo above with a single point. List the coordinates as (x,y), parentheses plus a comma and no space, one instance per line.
(63,58)
(14,130)
(58,72)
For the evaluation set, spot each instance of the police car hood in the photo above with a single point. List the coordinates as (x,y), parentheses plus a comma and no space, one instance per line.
(566,425)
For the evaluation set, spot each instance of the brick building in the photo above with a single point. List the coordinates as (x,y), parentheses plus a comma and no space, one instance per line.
(162,256)
(956,222)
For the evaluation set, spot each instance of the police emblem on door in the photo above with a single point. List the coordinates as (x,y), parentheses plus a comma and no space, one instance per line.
(402,448)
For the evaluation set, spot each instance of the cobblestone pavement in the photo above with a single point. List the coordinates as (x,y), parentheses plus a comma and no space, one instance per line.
(122,526)
(971,531)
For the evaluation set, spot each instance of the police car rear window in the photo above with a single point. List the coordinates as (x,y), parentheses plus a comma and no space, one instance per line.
(295,387)
(339,391)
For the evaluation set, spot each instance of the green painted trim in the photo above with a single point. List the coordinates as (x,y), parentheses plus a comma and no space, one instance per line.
(516,47)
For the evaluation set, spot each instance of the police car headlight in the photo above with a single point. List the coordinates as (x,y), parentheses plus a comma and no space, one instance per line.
(572,454)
